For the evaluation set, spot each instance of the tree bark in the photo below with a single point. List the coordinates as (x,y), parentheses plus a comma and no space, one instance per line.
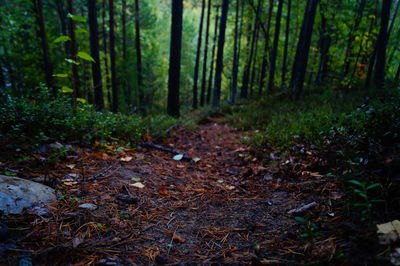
(286,47)
(138,53)
(41,33)
(210,80)
(197,63)
(204,79)
(95,52)
(246,72)
(105,50)
(74,51)
(220,54)
(264,64)
(235,67)
(114,84)
(324,45)
(275,47)
(381,45)
(303,48)
(62,16)
(175,58)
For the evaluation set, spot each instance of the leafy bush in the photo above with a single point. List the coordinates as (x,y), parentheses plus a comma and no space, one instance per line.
(39,118)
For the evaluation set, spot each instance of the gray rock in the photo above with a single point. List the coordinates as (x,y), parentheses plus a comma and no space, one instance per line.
(88,206)
(16,194)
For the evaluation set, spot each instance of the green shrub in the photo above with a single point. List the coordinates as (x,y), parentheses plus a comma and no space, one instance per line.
(39,118)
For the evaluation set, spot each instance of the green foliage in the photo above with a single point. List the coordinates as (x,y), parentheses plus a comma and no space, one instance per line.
(39,118)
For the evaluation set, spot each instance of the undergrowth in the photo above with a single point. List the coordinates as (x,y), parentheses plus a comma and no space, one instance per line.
(41,119)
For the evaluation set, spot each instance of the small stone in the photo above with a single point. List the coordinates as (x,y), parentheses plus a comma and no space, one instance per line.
(88,206)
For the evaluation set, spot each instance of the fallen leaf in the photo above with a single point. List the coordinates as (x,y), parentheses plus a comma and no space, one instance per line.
(71,166)
(178,157)
(180,166)
(163,191)
(136,179)
(388,232)
(76,242)
(196,159)
(137,185)
(178,238)
(126,159)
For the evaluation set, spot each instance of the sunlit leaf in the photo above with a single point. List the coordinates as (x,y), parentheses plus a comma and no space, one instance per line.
(65,89)
(63,38)
(76,18)
(61,75)
(81,100)
(71,61)
(85,56)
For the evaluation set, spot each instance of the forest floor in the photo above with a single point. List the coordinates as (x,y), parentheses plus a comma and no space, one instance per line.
(228,207)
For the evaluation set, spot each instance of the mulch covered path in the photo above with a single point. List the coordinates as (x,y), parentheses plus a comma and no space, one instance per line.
(226,208)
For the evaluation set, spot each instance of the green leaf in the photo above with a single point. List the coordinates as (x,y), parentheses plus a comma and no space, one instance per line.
(61,75)
(196,159)
(355,182)
(81,100)
(373,186)
(85,56)
(65,89)
(76,18)
(62,38)
(377,201)
(10,173)
(81,30)
(300,219)
(361,193)
(178,157)
(136,179)
(71,61)
(305,235)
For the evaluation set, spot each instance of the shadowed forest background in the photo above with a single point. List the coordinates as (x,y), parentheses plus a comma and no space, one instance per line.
(295,92)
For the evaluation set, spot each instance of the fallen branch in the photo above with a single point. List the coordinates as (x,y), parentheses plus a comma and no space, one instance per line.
(165,149)
(303,208)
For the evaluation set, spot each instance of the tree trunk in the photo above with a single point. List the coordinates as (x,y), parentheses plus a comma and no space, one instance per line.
(95,52)
(74,51)
(41,33)
(324,45)
(264,64)
(235,67)
(62,16)
(123,21)
(246,73)
(175,58)
(204,81)
(105,50)
(381,45)
(285,51)
(220,54)
(124,80)
(114,85)
(197,63)
(275,48)
(303,48)
(210,80)
(254,63)
(138,53)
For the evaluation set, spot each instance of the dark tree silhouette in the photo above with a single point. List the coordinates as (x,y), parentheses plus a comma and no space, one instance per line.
(175,58)
(138,53)
(204,79)
(303,48)
(105,50)
(381,44)
(197,63)
(114,85)
(286,47)
(274,52)
(41,32)
(210,80)
(235,67)
(220,54)
(95,52)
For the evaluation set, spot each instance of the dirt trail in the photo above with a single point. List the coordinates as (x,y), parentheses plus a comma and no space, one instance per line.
(225,208)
